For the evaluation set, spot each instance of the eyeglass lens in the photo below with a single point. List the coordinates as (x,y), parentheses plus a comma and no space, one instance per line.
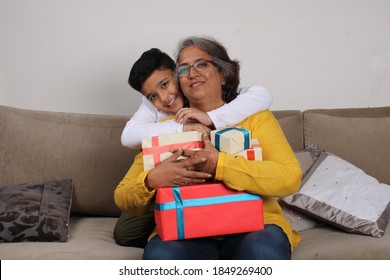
(199,65)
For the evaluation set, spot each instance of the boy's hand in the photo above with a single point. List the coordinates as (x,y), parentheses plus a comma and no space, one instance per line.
(189,115)
(195,127)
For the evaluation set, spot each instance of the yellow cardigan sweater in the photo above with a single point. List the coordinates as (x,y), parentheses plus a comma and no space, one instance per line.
(278,174)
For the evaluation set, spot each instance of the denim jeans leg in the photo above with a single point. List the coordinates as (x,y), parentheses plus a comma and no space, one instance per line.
(268,244)
(189,249)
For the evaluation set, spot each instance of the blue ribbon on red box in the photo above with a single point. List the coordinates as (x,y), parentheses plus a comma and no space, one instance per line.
(247,140)
(179,205)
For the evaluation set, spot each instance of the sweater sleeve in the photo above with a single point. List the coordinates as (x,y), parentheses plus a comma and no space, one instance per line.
(249,101)
(278,174)
(146,123)
(131,194)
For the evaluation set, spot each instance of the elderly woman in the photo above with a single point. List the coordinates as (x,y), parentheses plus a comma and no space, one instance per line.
(209,79)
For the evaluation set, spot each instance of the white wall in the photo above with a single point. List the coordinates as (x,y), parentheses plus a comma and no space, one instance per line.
(75,55)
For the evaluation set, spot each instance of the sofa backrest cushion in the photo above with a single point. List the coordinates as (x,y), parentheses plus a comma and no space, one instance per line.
(359,136)
(292,126)
(37,146)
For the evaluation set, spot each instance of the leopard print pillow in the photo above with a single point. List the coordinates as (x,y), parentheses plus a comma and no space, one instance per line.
(36,212)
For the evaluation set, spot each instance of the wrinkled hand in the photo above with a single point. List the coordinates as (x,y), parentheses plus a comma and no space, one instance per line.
(172,171)
(210,153)
(189,115)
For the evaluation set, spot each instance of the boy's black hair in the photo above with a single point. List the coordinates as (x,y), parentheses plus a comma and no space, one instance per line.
(151,60)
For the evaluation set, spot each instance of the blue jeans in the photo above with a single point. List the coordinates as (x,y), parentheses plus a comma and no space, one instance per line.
(268,244)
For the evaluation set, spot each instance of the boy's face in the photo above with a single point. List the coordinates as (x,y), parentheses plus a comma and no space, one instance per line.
(161,89)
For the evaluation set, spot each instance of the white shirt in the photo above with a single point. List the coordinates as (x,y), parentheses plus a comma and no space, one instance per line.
(146,121)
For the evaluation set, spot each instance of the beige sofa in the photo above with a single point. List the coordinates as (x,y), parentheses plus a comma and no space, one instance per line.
(36,146)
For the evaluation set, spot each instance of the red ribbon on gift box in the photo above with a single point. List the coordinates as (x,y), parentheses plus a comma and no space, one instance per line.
(156,149)
(251,152)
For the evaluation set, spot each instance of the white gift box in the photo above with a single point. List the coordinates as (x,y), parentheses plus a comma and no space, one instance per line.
(231,140)
(157,148)
(255,152)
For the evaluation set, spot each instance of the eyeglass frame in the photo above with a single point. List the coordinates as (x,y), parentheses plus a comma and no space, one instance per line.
(201,60)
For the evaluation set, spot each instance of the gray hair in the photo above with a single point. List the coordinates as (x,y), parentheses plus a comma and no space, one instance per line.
(230,69)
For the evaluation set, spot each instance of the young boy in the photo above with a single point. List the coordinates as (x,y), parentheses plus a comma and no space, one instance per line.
(153,76)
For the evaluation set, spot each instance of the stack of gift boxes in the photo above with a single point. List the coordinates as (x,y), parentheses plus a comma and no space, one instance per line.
(209,209)
(237,142)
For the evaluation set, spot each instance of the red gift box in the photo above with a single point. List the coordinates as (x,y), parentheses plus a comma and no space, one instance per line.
(206,210)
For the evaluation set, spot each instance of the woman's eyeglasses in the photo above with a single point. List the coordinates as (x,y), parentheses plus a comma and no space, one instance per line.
(199,66)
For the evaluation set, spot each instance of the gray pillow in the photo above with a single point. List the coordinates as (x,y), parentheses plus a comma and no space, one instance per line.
(306,158)
(36,212)
(339,193)
(299,220)
(364,142)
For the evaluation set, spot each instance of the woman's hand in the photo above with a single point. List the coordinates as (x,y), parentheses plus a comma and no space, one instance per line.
(210,153)
(190,115)
(172,171)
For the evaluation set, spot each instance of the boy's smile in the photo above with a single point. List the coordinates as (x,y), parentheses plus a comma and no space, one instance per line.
(161,89)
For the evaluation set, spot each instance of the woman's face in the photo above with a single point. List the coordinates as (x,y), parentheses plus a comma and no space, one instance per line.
(202,86)
(161,89)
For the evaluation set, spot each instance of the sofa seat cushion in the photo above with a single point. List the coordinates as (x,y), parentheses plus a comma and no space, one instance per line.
(90,238)
(329,243)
